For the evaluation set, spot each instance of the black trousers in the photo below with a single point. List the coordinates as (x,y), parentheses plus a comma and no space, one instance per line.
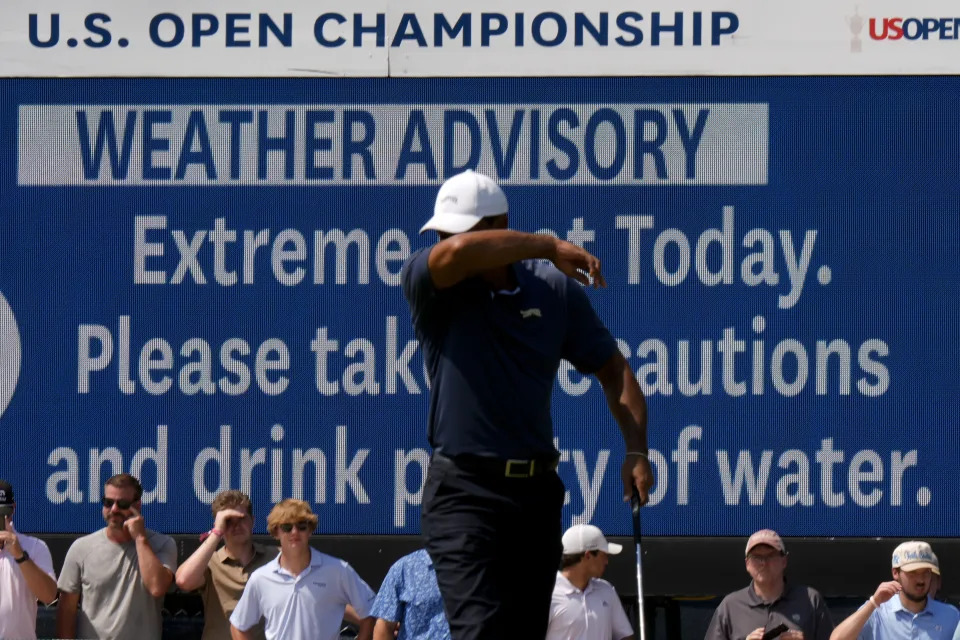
(495,545)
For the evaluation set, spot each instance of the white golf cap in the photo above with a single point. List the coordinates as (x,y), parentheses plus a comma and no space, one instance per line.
(586,537)
(464,200)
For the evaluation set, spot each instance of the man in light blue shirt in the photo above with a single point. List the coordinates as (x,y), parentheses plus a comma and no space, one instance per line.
(302,593)
(409,599)
(902,609)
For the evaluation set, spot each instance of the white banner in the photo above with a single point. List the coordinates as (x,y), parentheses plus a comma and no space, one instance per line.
(389,144)
(372,38)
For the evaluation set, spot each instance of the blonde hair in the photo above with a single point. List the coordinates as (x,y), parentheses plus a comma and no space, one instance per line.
(290,511)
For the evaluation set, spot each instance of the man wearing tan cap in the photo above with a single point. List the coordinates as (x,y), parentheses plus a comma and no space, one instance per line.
(902,608)
(770,600)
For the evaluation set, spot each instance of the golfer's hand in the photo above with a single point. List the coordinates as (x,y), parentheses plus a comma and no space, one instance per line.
(636,474)
(579,264)
(792,634)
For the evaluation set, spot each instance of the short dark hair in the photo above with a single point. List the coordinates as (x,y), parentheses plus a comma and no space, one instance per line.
(570,559)
(125,481)
(232,499)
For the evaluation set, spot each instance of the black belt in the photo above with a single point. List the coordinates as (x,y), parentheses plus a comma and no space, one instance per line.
(499,467)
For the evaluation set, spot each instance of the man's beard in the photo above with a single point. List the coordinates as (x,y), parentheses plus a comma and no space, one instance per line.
(114,523)
(913,598)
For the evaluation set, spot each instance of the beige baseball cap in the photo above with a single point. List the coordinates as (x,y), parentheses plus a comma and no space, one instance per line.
(913,555)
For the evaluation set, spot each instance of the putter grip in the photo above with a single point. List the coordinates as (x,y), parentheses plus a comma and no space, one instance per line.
(635,510)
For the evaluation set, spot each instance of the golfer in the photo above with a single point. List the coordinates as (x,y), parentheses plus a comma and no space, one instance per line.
(494,318)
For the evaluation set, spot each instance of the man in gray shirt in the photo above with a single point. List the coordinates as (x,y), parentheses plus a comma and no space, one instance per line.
(769,600)
(122,571)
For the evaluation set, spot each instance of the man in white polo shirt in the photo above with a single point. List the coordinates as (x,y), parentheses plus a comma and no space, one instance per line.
(26,573)
(302,594)
(583,606)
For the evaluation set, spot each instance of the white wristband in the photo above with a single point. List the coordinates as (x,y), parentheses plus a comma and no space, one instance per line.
(874,603)
(637,453)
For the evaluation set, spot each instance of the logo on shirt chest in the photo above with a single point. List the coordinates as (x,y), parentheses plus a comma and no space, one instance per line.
(532,312)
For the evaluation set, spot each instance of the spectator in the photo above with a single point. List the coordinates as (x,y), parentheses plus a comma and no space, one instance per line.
(301,593)
(221,575)
(121,571)
(26,574)
(770,600)
(902,607)
(583,606)
(408,605)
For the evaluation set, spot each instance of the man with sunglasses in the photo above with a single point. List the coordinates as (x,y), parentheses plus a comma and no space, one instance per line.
(221,575)
(121,571)
(770,600)
(302,593)
(26,574)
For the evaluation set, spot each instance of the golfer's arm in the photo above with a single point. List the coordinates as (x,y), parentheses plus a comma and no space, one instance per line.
(466,254)
(626,401)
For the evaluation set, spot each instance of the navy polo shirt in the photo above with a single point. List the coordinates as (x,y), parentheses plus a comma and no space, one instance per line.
(492,357)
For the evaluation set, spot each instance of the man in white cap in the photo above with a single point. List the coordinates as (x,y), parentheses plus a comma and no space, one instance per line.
(495,318)
(584,607)
(902,608)
(769,600)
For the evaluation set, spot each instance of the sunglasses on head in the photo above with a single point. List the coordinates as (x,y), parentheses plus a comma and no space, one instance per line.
(122,504)
(287,527)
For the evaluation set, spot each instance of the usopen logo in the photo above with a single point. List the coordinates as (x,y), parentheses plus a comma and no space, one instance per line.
(896,28)
(9,354)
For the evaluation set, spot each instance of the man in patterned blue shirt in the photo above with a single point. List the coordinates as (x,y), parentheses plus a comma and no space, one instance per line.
(409,600)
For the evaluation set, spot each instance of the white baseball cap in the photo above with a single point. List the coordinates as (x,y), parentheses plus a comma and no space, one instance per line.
(586,537)
(464,200)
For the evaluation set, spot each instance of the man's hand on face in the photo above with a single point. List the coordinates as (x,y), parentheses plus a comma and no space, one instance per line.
(134,524)
(8,538)
(225,518)
(886,590)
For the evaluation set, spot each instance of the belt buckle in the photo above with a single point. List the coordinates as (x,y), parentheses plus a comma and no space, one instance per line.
(527,473)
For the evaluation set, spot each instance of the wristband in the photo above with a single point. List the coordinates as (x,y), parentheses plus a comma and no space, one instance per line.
(637,453)
(874,603)
(212,532)
(23,558)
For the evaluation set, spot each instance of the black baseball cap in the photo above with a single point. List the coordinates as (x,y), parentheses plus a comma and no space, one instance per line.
(6,493)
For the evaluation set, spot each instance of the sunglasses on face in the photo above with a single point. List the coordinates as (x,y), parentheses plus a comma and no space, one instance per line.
(288,527)
(122,504)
